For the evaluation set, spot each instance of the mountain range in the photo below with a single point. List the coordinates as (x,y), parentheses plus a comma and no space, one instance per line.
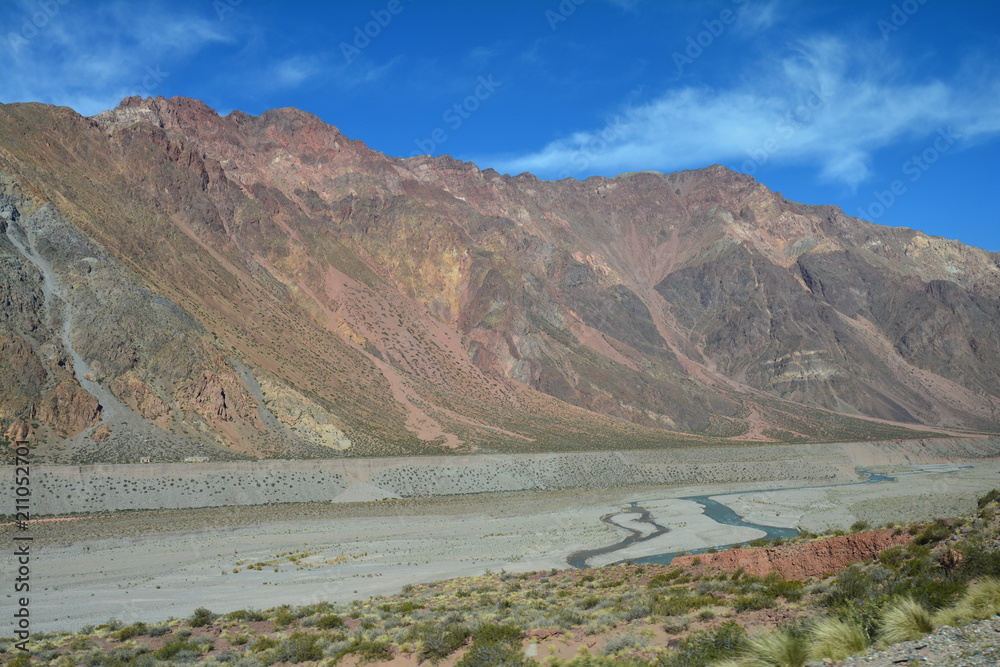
(175,283)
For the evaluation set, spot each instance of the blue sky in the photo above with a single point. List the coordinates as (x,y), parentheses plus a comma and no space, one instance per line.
(890,110)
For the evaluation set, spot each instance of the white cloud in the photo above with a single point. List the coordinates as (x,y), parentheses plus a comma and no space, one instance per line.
(757,16)
(829,104)
(91,57)
(292,72)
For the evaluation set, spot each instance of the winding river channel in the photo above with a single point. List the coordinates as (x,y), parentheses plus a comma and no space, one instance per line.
(712,509)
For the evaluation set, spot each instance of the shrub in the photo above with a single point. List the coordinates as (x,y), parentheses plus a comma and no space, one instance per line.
(130,631)
(330,622)
(905,620)
(298,647)
(979,560)
(980,602)
(932,534)
(370,650)
(704,648)
(158,630)
(491,654)
(283,617)
(440,643)
(263,644)
(859,526)
(244,615)
(753,602)
(836,639)
(624,642)
(504,633)
(201,618)
(171,649)
(992,496)
(676,624)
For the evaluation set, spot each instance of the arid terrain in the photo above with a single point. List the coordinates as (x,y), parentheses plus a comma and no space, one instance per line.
(180,284)
(149,565)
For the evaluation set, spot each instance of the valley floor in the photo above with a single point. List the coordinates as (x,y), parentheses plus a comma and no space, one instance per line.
(151,565)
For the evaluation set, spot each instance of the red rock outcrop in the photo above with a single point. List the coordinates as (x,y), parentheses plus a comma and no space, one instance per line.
(800,561)
(70,407)
(17,431)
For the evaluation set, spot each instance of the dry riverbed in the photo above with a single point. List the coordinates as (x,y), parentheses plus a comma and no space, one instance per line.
(150,565)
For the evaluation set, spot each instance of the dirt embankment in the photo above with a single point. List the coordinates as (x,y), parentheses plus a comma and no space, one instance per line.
(800,561)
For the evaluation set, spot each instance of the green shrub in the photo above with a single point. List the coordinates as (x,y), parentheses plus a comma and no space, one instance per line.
(992,496)
(979,560)
(676,624)
(371,650)
(330,622)
(245,615)
(201,618)
(283,617)
(158,630)
(491,654)
(624,642)
(439,643)
(503,633)
(130,631)
(753,602)
(705,648)
(263,644)
(298,647)
(171,649)
(980,602)
(932,534)
(859,526)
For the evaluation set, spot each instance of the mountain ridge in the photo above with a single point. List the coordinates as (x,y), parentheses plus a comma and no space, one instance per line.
(266,286)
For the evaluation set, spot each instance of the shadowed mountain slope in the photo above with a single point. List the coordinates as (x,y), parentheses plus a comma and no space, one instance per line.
(175,283)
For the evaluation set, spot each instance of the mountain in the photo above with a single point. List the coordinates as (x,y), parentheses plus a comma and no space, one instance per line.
(175,283)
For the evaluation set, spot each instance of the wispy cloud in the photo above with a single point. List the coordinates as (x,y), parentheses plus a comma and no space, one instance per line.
(90,57)
(292,72)
(825,103)
(757,16)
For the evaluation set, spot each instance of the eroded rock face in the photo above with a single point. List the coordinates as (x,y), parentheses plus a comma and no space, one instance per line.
(406,305)
(800,561)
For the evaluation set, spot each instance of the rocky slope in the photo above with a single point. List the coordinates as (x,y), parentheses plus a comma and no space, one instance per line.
(176,283)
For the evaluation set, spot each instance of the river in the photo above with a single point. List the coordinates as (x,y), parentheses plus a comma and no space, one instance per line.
(712,509)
